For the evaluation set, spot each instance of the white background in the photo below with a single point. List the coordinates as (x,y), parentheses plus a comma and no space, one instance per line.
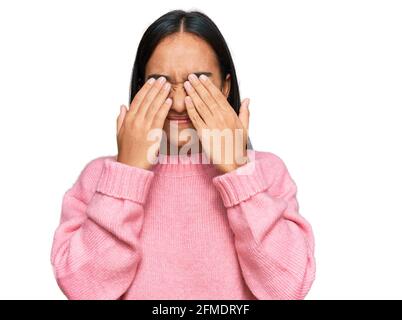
(325,83)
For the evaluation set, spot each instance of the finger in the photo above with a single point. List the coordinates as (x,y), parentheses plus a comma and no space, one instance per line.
(150,96)
(215,92)
(158,101)
(197,102)
(203,92)
(192,112)
(120,118)
(244,113)
(140,95)
(161,114)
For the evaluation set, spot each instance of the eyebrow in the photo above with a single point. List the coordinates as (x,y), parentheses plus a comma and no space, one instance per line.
(156,75)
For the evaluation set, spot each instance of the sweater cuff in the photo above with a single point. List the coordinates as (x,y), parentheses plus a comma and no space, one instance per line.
(241,184)
(123,181)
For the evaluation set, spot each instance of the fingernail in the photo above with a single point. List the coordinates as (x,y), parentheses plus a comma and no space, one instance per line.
(187,85)
(151,80)
(203,77)
(192,77)
(162,79)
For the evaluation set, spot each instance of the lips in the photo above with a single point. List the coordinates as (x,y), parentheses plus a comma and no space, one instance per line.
(181,119)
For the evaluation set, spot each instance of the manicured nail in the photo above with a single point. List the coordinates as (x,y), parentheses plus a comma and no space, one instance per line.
(162,79)
(187,85)
(193,77)
(151,80)
(166,86)
(203,77)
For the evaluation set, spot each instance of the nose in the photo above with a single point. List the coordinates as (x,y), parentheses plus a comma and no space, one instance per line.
(178,93)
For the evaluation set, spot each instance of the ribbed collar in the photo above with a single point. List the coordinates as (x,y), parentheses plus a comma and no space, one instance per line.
(184,165)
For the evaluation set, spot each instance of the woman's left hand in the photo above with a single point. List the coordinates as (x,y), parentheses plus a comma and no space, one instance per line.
(213,117)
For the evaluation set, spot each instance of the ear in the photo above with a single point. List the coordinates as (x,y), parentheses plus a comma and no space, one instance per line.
(226,86)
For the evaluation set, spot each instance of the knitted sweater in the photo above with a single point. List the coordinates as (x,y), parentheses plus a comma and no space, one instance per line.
(183,230)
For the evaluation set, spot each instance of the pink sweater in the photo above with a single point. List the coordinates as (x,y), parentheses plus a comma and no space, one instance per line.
(183,231)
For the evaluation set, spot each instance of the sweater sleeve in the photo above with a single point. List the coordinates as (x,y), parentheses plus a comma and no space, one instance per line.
(96,248)
(274,243)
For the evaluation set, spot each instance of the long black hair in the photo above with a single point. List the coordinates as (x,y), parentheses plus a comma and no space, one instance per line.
(194,22)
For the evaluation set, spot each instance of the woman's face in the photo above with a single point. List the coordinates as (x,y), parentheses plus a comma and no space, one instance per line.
(175,57)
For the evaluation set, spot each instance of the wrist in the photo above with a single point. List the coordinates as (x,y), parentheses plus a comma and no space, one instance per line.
(134,163)
(236,165)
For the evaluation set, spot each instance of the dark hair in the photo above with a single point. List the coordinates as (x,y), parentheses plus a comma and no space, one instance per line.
(194,22)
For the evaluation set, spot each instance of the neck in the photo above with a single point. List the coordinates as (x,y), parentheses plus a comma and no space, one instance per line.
(183,162)
(180,150)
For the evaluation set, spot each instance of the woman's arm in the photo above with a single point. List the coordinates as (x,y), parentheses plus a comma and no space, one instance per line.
(274,243)
(96,248)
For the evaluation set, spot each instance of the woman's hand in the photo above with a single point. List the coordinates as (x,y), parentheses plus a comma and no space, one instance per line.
(209,110)
(147,111)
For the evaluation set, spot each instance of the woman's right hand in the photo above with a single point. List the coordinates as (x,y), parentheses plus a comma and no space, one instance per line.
(147,111)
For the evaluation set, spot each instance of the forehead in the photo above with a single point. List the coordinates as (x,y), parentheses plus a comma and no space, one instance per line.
(180,53)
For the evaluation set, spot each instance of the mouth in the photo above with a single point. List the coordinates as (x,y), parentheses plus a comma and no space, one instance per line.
(184,119)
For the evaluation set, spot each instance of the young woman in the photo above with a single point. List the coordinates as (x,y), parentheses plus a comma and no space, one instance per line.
(152,223)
